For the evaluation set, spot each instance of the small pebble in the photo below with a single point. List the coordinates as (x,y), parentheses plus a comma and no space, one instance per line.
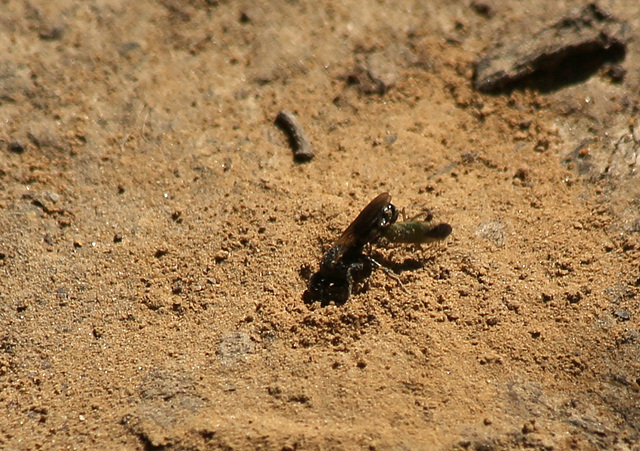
(521,174)
(221,256)
(622,315)
(52,34)
(15,147)
(53,197)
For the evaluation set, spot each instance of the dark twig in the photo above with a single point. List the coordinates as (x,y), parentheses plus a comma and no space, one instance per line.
(291,125)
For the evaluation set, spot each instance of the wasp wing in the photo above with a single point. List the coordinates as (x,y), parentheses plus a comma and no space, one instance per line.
(365,227)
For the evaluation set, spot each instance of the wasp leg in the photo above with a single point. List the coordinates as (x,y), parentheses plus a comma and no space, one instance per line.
(428,216)
(388,272)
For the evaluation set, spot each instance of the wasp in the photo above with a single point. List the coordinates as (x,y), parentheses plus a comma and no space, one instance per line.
(345,263)
(417,232)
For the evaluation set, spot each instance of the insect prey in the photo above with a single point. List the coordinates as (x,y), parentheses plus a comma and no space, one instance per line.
(417,232)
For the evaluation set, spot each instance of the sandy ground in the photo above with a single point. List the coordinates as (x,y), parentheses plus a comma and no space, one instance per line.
(156,234)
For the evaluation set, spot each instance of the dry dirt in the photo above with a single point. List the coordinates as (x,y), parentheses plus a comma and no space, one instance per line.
(156,234)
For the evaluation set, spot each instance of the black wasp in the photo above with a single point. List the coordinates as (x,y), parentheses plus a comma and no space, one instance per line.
(345,263)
